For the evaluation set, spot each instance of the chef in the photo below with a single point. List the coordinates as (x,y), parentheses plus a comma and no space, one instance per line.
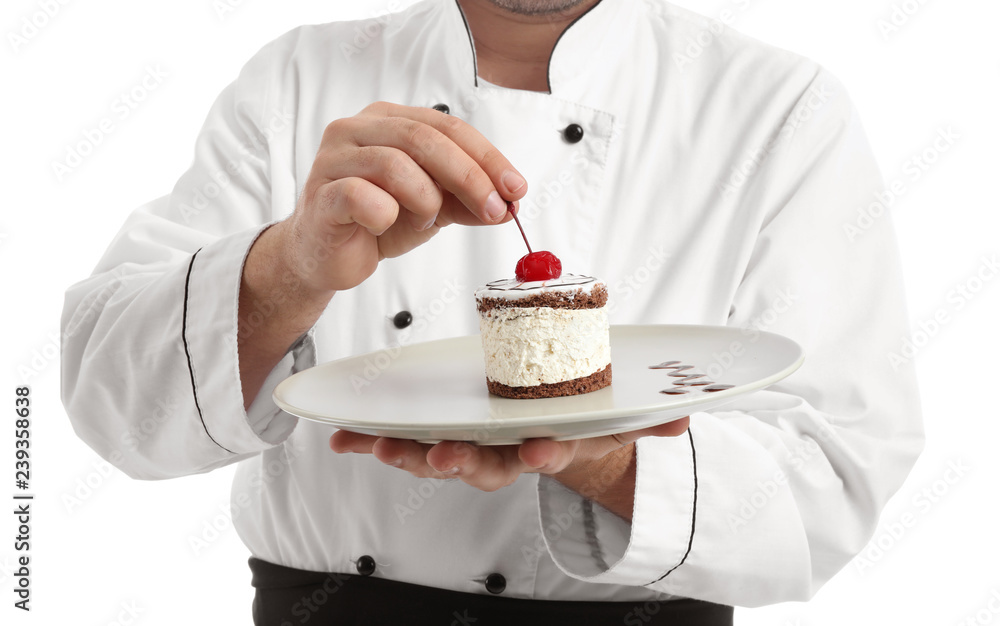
(349,192)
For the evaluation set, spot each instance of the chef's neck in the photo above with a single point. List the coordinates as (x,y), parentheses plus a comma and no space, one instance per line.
(513,49)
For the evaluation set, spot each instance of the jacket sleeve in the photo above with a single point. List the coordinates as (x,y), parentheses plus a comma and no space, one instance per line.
(150,375)
(765,500)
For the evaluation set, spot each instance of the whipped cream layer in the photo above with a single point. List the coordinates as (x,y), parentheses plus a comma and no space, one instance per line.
(528,346)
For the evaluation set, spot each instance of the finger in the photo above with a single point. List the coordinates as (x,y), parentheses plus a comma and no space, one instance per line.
(507,180)
(349,201)
(394,171)
(407,455)
(487,468)
(547,456)
(451,151)
(454,212)
(346,441)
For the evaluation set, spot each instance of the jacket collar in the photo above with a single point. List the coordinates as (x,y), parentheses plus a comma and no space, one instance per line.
(595,41)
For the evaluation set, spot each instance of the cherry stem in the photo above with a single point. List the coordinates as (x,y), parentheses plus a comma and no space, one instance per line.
(510,207)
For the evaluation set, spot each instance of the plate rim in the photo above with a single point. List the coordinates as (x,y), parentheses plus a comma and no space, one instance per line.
(551,420)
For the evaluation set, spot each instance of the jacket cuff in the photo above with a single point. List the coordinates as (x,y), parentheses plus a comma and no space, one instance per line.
(209,332)
(591,544)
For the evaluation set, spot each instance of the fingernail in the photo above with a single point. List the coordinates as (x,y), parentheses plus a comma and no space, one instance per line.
(495,206)
(451,471)
(512,181)
(395,463)
(430,224)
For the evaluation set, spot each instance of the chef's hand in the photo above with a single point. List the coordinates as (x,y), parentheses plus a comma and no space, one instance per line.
(491,467)
(384,182)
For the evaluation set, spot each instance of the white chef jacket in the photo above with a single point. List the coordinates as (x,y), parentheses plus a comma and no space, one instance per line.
(717,181)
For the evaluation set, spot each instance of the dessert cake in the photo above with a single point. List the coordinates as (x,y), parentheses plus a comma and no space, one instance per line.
(545,338)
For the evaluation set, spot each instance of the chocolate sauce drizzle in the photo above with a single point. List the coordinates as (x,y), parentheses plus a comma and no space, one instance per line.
(665,365)
(718,388)
(512,284)
(687,380)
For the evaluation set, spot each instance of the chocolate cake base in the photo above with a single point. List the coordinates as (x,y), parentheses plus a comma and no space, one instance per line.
(577,386)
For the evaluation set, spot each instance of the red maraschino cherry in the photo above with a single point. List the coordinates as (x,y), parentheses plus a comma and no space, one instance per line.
(535,266)
(539,265)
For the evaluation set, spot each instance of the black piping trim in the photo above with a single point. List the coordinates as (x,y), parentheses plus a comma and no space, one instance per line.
(472,45)
(590,527)
(187,352)
(694,512)
(548,67)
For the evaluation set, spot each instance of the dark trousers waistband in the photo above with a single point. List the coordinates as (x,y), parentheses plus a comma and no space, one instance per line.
(288,597)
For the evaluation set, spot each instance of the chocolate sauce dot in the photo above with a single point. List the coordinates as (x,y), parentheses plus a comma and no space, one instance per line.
(682,371)
(690,378)
(712,388)
(693,383)
(676,391)
(664,365)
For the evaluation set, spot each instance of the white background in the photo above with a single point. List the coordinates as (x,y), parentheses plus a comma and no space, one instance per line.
(106,548)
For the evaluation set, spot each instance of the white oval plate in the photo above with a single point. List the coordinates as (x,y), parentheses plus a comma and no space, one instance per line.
(436,391)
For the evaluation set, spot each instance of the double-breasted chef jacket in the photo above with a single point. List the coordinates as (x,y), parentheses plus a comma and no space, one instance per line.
(706,177)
